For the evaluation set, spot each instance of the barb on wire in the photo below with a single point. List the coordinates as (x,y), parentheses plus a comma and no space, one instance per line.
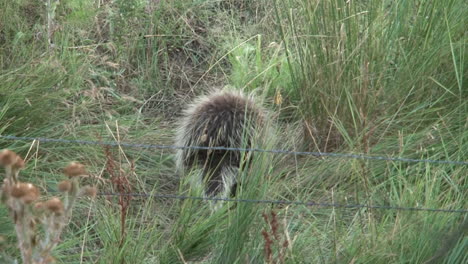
(278,151)
(284,202)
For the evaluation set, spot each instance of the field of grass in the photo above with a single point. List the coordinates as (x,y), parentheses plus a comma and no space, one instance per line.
(371,77)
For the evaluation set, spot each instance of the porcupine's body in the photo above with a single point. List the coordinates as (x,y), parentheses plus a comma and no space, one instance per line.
(221,119)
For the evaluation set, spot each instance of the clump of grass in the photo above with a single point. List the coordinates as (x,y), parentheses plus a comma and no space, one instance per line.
(29,210)
(364,71)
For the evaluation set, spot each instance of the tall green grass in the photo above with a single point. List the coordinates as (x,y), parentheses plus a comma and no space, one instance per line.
(383,77)
(362,68)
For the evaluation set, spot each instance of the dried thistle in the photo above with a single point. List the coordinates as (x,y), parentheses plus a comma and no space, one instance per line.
(7,158)
(53,215)
(64,186)
(26,192)
(18,164)
(74,169)
(54,205)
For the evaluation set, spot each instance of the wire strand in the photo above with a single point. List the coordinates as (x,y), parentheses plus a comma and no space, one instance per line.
(285,202)
(277,151)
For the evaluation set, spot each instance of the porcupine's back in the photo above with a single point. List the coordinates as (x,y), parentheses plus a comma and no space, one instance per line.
(222,119)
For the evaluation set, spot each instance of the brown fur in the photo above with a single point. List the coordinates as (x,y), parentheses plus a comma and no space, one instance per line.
(222,119)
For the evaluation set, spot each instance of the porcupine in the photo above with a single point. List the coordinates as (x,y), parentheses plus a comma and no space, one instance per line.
(229,119)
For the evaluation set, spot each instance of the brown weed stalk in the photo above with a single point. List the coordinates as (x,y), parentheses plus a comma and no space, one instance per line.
(275,248)
(28,212)
(120,182)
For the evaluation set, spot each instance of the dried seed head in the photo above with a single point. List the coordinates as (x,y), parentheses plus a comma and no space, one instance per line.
(18,164)
(27,192)
(18,190)
(90,191)
(64,186)
(74,169)
(30,197)
(54,205)
(7,157)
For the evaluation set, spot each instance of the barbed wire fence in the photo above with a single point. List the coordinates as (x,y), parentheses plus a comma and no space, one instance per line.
(256,201)
(277,151)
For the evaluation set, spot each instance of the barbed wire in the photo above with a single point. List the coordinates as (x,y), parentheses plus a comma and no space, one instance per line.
(281,202)
(284,202)
(277,151)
